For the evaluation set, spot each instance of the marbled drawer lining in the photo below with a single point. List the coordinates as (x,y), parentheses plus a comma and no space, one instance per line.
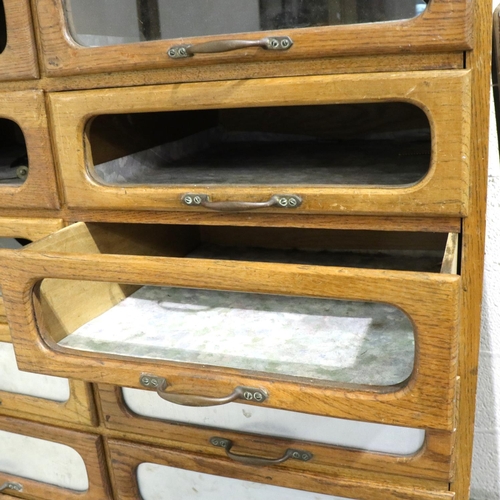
(341,341)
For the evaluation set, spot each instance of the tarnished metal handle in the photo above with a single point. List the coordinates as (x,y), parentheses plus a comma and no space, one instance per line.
(160,384)
(227,444)
(11,486)
(268,43)
(277,200)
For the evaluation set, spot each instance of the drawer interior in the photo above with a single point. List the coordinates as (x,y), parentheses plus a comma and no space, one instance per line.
(367,144)
(14,165)
(45,461)
(347,342)
(98,23)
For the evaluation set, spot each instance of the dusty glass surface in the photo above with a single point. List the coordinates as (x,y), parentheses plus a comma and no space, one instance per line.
(368,144)
(109,22)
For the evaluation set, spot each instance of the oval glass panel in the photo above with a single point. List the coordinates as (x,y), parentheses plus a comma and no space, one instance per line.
(366,145)
(44,461)
(159,482)
(14,162)
(97,23)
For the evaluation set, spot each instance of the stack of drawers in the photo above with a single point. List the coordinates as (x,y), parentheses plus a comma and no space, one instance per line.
(250,248)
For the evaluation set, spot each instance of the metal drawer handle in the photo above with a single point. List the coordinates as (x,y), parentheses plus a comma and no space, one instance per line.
(268,43)
(277,200)
(11,486)
(160,384)
(227,444)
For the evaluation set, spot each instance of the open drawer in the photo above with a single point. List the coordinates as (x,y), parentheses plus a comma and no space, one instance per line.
(370,144)
(368,320)
(13,233)
(17,43)
(92,37)
(27,174)
(254,432)
(148,472)
(43,462)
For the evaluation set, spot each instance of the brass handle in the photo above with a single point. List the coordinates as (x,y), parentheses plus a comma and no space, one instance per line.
(268,43)
(11,486)
(227,444)
(160,384)
(277,200)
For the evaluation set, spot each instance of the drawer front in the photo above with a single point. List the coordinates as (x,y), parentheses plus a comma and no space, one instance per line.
(143,472)
(37,396)
(27,175)
(47,462)
(91,38)
(363,144)
(27,229)
(256,431)
(18,59)
(422,397)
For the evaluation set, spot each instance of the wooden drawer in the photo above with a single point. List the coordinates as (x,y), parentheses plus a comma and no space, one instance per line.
(96,24)
(17,44)
(87,266)
(363,144)
(146,472)
(42,397)
(263,432)
(47,462)
(27,229)
(25,138)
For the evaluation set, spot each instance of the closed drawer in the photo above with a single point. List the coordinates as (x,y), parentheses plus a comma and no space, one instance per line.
(370,144)
(35,396)
(146,472)
(17,44)
(254,431)
(230,300)
(90,37)
(27,175)
(42,462)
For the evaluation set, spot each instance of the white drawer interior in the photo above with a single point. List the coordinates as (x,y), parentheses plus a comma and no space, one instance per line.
(158,482)
(281,423)
(29,384)
(44,461)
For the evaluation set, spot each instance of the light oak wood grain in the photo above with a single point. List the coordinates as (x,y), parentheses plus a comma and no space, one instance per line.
(27,109)
(18,61)
(449,18)
(430,300)
(444,96)
(90,447)
(126,457)
(433,461)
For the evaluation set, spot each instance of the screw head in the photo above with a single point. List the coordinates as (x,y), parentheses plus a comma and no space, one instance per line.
(305,456)
(172,52)
(274,43)
(182,51)
(296,454)
(285,43)
(188,200)
(248,395)
(197,200)
(292,202)
(258,396)
(283,202)
(145,380)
